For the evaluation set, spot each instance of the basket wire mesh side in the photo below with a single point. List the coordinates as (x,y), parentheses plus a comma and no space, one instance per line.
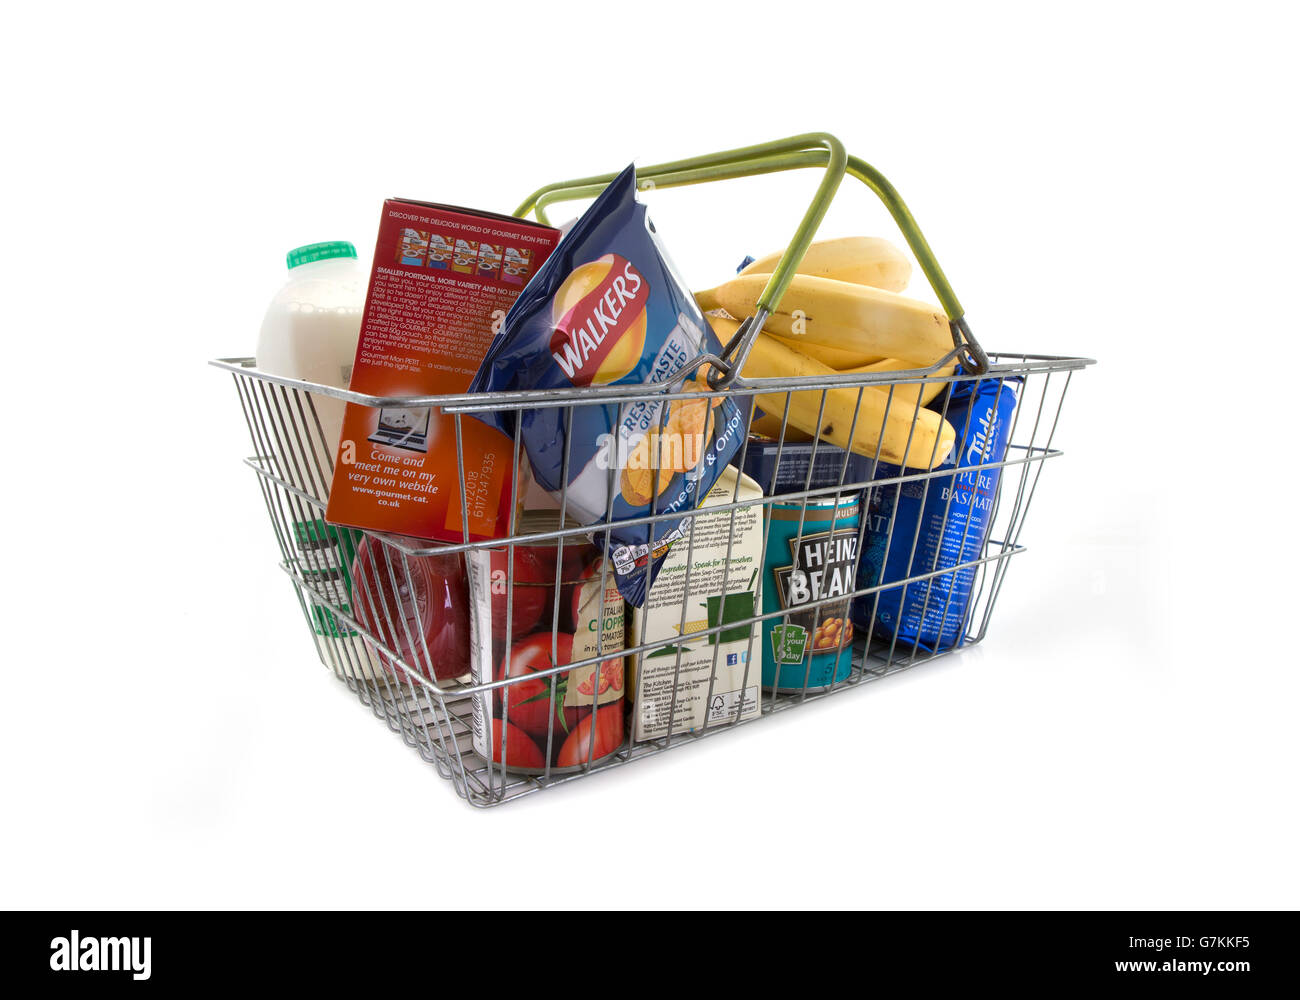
(293,465)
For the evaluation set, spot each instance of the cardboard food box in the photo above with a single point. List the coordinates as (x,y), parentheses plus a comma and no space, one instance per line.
(426,328)
(721,590)
(793,467)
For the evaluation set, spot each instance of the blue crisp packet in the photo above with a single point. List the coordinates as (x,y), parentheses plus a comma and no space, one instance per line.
(607,308)
(949,521)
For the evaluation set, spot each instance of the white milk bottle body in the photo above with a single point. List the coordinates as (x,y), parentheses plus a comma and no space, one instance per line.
(310,332)
(311,328)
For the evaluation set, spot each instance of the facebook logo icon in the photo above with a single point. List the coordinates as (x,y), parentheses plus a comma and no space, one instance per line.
(732,659)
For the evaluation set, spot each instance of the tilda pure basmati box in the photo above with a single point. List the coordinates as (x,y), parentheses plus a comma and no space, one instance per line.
(723,586)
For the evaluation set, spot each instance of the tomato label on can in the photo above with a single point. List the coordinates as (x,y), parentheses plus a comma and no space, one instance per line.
(536,607)
(597,629)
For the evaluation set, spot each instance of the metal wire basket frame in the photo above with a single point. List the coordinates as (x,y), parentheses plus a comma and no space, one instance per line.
(294,467)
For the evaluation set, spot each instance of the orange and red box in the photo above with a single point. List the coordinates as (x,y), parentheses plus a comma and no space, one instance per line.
(425,331)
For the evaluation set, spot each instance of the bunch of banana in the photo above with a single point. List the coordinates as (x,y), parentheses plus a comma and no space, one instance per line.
(842,313)
(875,420)
(843,306)
(866,421)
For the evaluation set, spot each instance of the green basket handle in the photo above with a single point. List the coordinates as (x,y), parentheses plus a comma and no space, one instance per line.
(816,149)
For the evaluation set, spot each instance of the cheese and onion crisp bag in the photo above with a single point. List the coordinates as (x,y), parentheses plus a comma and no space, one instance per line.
(607,308)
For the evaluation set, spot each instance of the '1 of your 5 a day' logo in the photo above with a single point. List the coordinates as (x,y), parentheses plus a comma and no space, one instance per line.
(101,954)
(789,643)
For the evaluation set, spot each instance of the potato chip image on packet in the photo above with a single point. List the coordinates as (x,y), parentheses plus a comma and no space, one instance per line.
(608,309)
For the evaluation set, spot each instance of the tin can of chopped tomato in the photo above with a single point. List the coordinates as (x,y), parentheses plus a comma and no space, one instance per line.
(535,607)
(811,557)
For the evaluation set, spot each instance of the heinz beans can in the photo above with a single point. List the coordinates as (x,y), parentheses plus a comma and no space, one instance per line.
(812,555)
(562,606)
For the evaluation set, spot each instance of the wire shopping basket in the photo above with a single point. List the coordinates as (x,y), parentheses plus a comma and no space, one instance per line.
(922,598)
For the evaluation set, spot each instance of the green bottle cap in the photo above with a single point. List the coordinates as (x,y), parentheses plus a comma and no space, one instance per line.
(313,252)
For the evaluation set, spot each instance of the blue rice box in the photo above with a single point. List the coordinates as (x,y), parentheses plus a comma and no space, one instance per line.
(784,468)
(953,513)
(811,555)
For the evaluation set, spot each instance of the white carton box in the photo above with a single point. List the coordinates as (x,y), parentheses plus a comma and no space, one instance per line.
(722,589)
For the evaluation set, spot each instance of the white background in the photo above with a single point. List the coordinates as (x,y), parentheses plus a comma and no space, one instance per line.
(1117,182)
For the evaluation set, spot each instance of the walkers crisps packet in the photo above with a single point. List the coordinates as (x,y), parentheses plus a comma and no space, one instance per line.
(607,308)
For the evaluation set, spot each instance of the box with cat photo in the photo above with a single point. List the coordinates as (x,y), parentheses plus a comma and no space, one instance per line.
(426,329)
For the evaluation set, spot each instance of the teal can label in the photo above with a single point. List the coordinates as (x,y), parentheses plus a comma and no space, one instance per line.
(811,556)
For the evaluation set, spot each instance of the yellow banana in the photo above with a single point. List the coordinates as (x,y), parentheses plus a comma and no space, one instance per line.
(841,361)
(905,393)
(708,301)
(847,361)
(863,260)
(848,317)
(835,357)
(769,425)
(724,326)
(866,421)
